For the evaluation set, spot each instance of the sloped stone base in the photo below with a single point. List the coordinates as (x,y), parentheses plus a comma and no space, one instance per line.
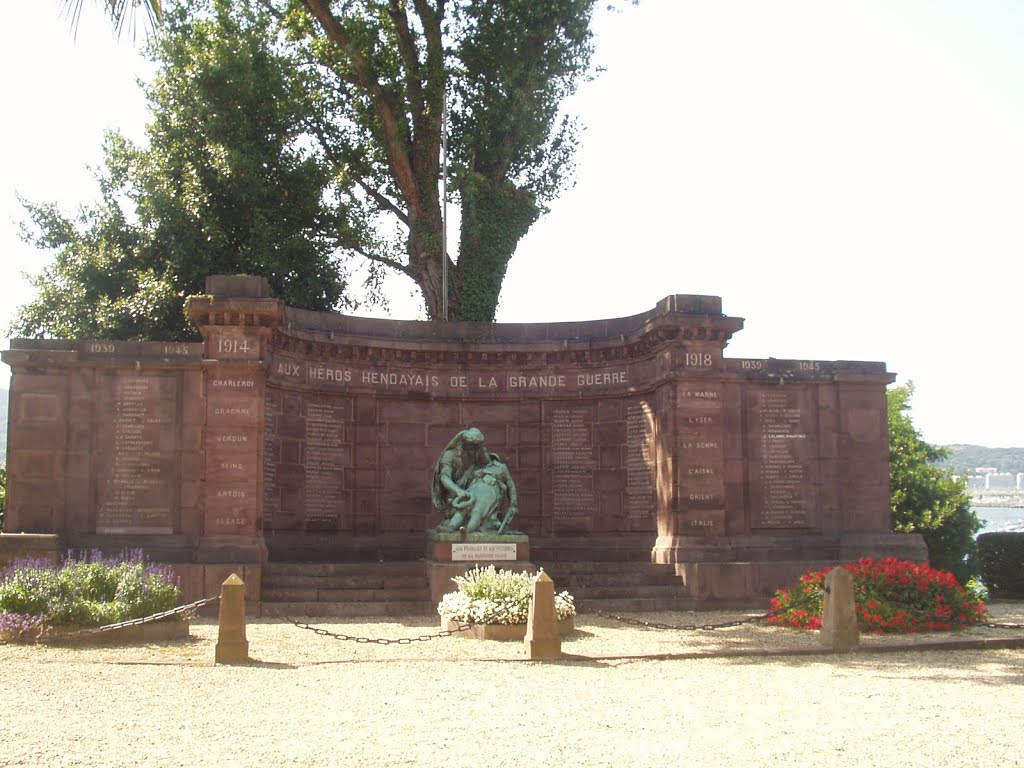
(503,631)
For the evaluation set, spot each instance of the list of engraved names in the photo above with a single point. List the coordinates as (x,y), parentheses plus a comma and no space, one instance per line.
(271,458)
(572,463)
(324,452)
(783,477)
(639,459)
(136,489)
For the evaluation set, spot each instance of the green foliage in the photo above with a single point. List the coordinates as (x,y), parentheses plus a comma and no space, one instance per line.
(228,184)
(891,596)
(87,590)
(383,68)
(288,133)
(1001,557)
(925,498)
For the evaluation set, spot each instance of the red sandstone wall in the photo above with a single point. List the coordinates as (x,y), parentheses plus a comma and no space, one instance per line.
(313,433)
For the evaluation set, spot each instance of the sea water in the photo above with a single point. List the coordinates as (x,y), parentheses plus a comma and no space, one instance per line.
(1000,518)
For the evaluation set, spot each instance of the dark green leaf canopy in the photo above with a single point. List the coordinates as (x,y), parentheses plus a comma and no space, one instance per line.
(288,133)
(228,183)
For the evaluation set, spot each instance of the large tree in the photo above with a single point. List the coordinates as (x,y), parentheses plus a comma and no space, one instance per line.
(225,185)
(926,498)
(378,72)
(507,65)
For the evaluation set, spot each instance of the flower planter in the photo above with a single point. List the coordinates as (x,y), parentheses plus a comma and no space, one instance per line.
(503,631)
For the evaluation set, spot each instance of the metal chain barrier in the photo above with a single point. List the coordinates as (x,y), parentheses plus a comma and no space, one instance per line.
(772,614)
(487,619)
(998,625)
(708,627)
(60,637)
(948,619)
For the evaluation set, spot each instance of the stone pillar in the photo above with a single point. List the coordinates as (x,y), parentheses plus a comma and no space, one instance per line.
(692,422)
(37,437)
(232,646)
(236,322)
(542,638)
(839,619)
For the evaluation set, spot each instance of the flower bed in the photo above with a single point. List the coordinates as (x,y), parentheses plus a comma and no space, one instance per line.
(86,590)
(488,597)
(891,595)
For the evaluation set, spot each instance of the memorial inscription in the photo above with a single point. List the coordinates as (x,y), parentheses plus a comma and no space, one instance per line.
(324,461)
(784,482)
(413,380)
(137,487)
(572,462)
(271,459)
(639,459)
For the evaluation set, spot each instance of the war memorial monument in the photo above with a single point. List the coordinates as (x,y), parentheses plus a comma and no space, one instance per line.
(290,436)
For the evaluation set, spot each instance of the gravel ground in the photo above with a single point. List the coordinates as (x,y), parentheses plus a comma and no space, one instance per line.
(312,700)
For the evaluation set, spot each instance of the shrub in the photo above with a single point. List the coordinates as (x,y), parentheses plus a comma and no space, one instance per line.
(1001,556)
(925,498)
(87,590)
(891,595)
(489,596)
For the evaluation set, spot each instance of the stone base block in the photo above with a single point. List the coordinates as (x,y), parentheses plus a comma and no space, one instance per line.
(726,586)
(26,546)
(902,546)
(199,581)
(231,549)
(153,632)
(503,631)
(744,571)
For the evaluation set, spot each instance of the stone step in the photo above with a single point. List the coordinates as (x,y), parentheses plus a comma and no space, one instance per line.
(346,589)
(276,569)
(344,609)
(394,589)
(347,581)
(623,580)
(296,595)
(605,566)
(614,591)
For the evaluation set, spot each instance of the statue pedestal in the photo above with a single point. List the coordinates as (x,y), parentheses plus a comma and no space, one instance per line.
(452,554)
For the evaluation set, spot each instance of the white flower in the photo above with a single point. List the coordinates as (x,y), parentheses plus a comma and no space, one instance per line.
(489,596)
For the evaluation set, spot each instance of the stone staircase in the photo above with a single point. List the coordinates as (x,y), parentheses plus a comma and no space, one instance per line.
(620,587)
(400,588)
(345,589)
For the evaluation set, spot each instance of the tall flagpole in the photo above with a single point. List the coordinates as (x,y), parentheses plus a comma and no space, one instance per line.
(444,202)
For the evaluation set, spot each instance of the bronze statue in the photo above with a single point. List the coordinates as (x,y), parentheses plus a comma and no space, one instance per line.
(472,489)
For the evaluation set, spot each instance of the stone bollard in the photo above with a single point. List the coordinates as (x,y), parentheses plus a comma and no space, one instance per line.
(839,618)
(543,640)
(232,647)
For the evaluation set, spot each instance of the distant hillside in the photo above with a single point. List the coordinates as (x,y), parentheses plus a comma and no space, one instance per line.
(964,459)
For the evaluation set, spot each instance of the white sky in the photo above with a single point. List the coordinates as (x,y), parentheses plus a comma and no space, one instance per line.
(847,176)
